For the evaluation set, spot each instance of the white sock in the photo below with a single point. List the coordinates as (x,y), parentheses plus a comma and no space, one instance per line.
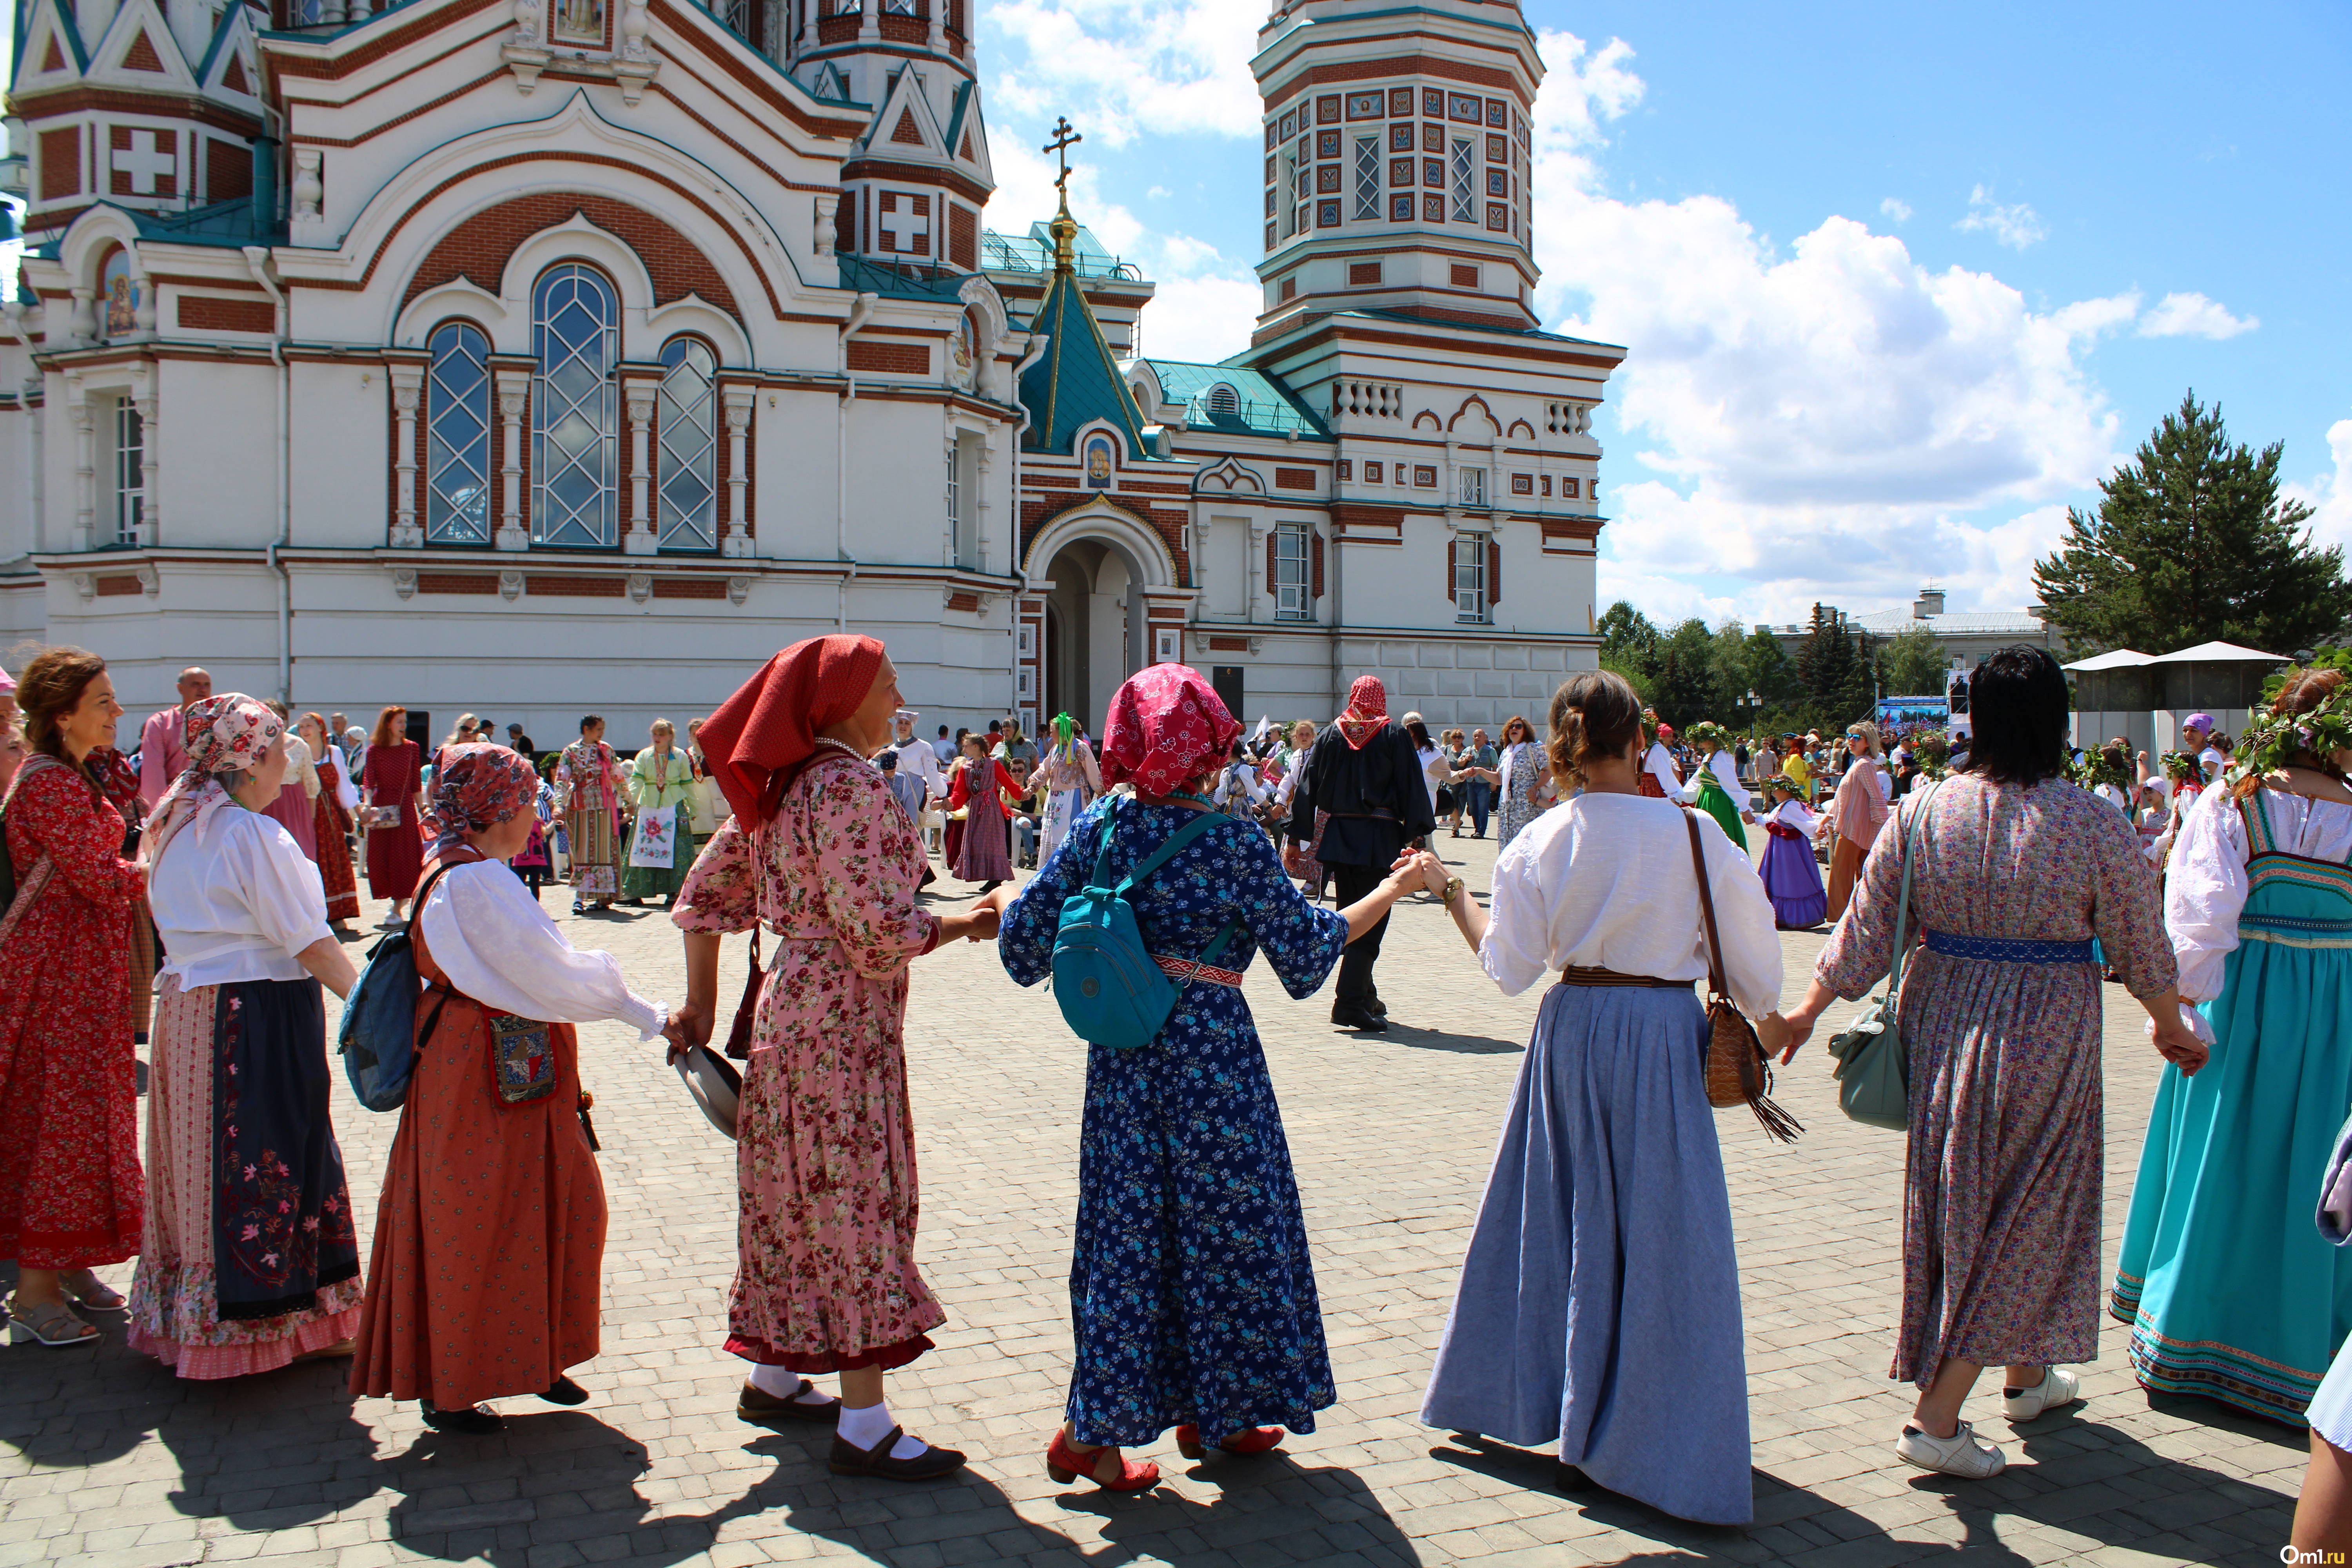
(779,1380)
(862,1428)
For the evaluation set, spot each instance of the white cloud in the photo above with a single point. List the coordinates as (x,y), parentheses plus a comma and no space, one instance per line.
(1895,208)
(2330,494)
(2193,316)
(1833,420)
(1178,66)
(2016,225)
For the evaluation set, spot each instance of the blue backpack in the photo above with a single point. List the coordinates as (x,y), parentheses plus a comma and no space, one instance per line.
(1111,990)
(377,1039)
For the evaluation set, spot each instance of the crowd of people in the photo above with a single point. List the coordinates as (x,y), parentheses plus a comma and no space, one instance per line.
(192,895)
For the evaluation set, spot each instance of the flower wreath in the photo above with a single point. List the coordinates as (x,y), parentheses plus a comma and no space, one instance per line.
(2273,739)
(1708,733)
(2095,769)
(2180,767)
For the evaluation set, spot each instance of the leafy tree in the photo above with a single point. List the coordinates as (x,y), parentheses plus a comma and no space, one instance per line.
(1912,663)
(2191,543)
(1628,639)
(1764,667)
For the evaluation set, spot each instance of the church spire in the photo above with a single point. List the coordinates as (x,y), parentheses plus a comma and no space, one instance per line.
(1064,229)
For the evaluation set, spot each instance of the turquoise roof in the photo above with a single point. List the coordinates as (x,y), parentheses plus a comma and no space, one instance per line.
(1263,406)
(1074,382)
(907,281)
(1034,252)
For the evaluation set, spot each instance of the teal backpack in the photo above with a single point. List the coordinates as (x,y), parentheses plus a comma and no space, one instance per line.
(1112,992)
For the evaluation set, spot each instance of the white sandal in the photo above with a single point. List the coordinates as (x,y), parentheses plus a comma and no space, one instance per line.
(1962,1454)
(48,1323)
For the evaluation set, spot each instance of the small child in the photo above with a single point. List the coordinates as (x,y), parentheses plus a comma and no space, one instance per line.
(534,864)
(1792,878)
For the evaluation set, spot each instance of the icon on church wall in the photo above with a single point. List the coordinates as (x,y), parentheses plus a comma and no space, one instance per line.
(580,22)
(1099,457)
(963,353)
(121,296)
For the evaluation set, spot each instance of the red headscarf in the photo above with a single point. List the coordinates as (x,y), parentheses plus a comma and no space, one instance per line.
(1167,725)
(1368,711)
(759,739)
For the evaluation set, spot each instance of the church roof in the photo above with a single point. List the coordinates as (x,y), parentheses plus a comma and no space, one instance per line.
(908,281)
(1034,252)
(1260,405)
(1074,381)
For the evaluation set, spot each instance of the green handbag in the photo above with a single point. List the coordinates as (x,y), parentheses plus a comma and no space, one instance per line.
(1874,1068)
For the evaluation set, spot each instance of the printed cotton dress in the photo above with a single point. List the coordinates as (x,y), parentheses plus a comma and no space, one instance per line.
(1191,1294)
(2001,1013)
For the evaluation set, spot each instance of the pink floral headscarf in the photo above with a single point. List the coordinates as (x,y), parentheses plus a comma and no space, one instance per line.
(228,733)
(477,785)
(1167,725)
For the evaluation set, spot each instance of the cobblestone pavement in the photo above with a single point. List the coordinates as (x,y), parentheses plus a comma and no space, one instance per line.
(106,1462)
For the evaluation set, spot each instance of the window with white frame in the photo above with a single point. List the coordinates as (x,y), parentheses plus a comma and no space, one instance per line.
(457,437)
(575,335)
(130,474)
(1472,482)
(1291,595)
(688,479)
(1470,577)
(1465,173)
(964,498)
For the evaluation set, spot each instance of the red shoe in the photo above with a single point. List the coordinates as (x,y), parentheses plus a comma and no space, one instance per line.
(1065,1465)
(1256,1440)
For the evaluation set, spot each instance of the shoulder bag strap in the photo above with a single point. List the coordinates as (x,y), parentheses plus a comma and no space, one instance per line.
(1910,831)
(1102,851)
(1706,906)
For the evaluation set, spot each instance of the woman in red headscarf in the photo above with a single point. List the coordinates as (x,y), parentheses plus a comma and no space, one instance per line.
(819,852)
(486,1275)
(1191,1291)
(1365,776)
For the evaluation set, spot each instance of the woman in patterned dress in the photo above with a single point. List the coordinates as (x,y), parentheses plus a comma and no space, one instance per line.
(588,781)
(985,856)
(388,788)
(663,775)
(250,1259)
(1191,1293)
(2014,872)
(71,1190)
(825,1278)
(333,826)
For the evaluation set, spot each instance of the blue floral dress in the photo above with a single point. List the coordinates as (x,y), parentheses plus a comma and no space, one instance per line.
(1191,1295)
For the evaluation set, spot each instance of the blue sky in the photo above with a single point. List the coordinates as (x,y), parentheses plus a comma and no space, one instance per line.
(1900,283)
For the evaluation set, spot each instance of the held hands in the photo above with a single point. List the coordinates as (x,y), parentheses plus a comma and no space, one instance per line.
(2178,1042)
(1797,1028)
(1419,871)
(688,1026)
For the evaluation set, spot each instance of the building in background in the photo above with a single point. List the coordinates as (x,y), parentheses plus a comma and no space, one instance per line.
(580,360)
(1967,636)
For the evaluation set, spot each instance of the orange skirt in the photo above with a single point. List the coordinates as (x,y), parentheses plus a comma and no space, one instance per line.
(486,1276)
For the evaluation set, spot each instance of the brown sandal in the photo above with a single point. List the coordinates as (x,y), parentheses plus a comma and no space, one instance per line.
(762,1409)
(928,1465)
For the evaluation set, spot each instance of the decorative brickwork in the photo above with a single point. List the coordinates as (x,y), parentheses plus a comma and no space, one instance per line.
(479,247)
(457,583)
(541,584)
(1294,478)
(60,164)
(143,56)
(963,234)
(893,358)
(1315,554)
(204,313)
(905,131)
(233,79)
(689,587)
(121,585)
(964,602)
(228,170)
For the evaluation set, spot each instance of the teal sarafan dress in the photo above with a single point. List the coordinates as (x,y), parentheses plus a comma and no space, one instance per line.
(2230,1291)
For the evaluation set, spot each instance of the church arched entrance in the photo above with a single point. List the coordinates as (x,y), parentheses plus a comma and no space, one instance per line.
(1095,572)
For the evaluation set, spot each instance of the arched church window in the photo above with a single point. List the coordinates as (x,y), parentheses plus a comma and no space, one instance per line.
(457,437)
(688,477)
(575,336)
(118,297)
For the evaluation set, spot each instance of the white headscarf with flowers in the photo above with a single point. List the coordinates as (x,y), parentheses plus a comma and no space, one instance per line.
(229,733)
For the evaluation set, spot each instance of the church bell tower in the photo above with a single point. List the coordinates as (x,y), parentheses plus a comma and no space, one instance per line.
(1397,152)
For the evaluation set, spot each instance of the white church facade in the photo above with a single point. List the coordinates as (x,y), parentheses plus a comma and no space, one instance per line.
(532,357)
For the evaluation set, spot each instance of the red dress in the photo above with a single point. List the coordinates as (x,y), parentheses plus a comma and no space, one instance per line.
(332,825)
(71,1191)
(395,853)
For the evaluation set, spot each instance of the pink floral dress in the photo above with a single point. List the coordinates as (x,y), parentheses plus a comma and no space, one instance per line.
(826,1277)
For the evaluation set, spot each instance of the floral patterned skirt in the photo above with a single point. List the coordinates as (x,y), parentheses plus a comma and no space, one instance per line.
(250,1257)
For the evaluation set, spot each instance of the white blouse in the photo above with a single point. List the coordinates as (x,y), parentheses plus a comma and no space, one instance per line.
(1605,881)
(2205,880)
(1795,813)
(497,945)
(1726,769)
(237,903)
(1659,763)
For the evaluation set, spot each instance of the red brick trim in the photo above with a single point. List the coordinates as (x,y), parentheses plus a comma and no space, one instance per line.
(964,186)
(689,587)
(896,359)
(202,313)
(556,585)
(119,100)
(457,583)
(487,241)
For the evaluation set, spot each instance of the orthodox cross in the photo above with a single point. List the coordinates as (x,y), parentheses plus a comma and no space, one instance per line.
(1063,139)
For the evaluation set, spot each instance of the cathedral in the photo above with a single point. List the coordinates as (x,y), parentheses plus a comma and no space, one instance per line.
(530,357)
